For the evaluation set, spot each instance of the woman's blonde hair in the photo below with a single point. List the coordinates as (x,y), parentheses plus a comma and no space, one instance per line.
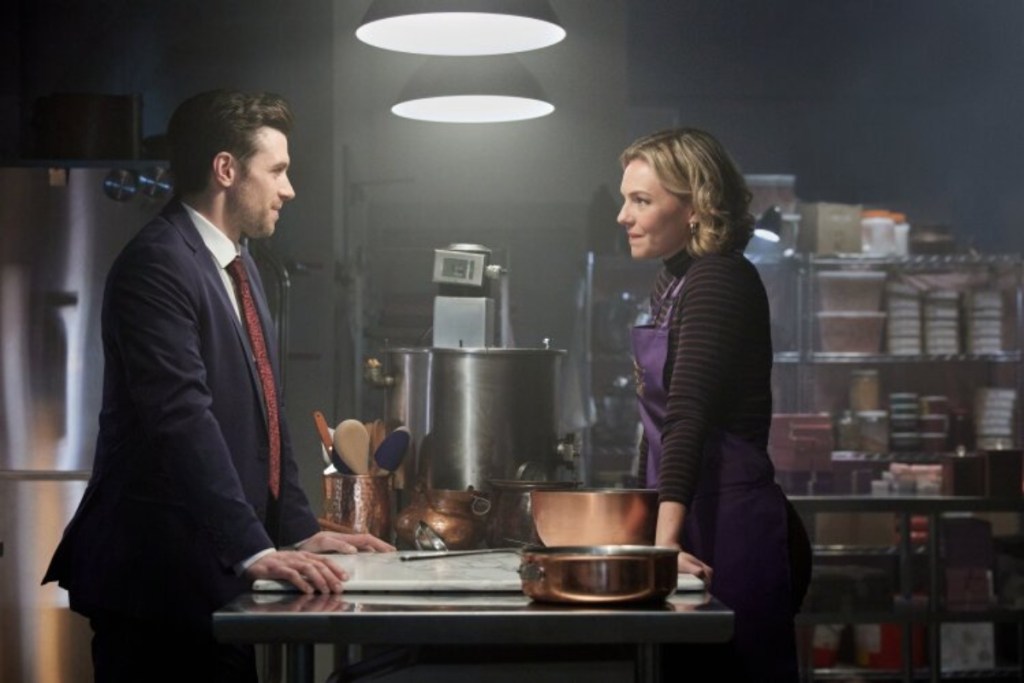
(692,164)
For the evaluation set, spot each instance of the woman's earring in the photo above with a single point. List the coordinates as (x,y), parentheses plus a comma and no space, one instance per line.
(693,228)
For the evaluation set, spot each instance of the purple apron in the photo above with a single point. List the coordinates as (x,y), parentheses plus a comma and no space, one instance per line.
(737,521)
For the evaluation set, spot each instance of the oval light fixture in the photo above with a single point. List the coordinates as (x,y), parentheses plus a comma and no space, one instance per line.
(483,90)
(460,27)
(472,109)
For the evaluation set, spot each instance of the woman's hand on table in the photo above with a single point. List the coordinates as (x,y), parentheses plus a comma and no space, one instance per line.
(688,564)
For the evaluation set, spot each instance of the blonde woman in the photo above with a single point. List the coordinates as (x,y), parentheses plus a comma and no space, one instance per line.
(703,368)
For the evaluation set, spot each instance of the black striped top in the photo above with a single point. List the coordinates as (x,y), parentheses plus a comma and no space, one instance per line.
(719,364)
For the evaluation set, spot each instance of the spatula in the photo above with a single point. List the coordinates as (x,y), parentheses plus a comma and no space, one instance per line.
(351,444)
(392,449)
(325,436)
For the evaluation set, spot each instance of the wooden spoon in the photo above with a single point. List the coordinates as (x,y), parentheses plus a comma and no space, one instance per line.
(375,428)
(378,432)
(352,443)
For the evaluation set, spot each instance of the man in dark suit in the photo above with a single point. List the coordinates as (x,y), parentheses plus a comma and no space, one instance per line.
(194,491)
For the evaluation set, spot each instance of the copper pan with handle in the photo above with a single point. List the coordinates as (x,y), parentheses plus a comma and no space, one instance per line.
(599,574)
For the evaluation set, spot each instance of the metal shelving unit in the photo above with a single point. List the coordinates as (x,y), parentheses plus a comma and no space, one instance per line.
(819,376)
(798,369)
(907,610)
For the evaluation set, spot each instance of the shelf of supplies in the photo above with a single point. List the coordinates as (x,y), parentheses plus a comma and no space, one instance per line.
(859,674)
(913,614)
(923,261)
(878,358)
(902,503)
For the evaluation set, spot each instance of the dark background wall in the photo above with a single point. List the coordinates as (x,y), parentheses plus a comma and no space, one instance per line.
(914,105)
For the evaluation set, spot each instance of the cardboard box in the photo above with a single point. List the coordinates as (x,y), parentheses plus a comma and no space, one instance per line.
(1004,471)
(830,228)
(967,646)
(801,442)
(963,475)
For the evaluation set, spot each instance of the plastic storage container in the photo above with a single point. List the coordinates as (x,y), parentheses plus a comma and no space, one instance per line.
(850,290)
(851,332)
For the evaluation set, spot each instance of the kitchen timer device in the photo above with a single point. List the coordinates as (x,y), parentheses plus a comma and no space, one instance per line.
(464,308)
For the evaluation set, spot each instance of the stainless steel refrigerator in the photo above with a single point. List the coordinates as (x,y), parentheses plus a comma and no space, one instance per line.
(60,229)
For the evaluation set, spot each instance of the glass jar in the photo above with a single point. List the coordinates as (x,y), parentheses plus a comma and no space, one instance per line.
(864,390)
(874,430)
(847,432)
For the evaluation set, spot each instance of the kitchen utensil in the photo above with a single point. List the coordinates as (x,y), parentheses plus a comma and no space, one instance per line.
(599,574)
(352,445)
(478,432)
(456,553)
(595,516)
(511,516)
(389,454)
(360,503)
(457,517)
(325,436)
(375,439)
(530,471)
(427,538)
(378,432)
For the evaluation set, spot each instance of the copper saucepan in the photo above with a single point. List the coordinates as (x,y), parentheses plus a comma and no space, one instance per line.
(599,574)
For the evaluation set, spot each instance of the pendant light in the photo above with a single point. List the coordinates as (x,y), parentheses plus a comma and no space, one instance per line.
(482,90)
(460,27)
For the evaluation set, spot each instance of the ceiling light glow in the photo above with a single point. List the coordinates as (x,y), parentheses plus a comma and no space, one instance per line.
(460,33)
(473,109)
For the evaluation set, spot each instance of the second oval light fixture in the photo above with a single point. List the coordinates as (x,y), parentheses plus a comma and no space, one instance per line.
(449,87)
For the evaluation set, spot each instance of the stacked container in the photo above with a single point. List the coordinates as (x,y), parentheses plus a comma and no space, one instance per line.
(994,410)
(850,319)
(903,304)
(985,321)
(942,322)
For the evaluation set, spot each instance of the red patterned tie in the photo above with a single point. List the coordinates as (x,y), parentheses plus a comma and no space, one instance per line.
(259,348)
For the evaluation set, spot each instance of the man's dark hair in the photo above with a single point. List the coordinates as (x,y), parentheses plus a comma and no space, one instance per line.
(219,121)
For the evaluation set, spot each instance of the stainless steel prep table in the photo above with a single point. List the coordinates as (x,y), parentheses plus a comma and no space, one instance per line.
(299,621)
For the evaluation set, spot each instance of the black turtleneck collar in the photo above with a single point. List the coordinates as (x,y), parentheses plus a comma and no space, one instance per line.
(678,264)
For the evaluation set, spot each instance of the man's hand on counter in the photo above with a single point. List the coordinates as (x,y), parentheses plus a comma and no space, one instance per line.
(336,542)
(308,569)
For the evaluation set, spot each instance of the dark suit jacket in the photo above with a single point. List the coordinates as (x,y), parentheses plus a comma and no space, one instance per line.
(178,493)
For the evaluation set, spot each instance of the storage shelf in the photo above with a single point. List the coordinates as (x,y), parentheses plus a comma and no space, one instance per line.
(855,673)
(917,260)
(913,614)
(879,358)
(810,380)
(910,504)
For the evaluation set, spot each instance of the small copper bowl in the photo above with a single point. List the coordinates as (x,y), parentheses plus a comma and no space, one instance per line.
(595,516)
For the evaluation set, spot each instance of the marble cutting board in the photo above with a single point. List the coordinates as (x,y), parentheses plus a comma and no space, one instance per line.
(384,572)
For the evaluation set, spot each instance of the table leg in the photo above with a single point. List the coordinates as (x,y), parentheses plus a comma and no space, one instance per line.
(300,662)
(648,663)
